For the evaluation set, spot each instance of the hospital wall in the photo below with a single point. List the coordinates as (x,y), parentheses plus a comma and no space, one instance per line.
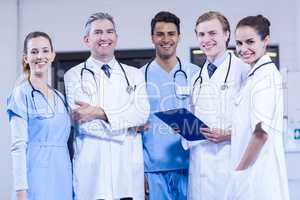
(8,48)
(64,21)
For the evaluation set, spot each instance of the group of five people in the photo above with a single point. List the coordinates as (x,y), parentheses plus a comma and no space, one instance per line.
(122,150)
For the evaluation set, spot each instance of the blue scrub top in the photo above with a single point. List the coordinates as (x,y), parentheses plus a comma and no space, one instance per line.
(162,148)
(49,173)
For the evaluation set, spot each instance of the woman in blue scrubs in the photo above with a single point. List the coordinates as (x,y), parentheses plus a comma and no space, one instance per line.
(40,128)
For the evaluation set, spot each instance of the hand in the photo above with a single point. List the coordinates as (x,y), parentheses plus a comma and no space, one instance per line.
(176,130)
(240,168)
(146,188)
(22,195)
(216,135)
(140,129)
(85,112)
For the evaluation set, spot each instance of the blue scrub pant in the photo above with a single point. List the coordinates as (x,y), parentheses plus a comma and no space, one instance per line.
(167,185)
(120,199)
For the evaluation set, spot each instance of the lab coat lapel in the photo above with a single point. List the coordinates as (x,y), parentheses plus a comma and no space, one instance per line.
(261,61)
(116,96)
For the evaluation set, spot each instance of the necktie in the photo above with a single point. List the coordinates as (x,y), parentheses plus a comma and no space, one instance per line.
(106,69)
(211,68)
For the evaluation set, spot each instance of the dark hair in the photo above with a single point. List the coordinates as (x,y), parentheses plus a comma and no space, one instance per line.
(210,15)
(165,16)
(35,34)
(260,23)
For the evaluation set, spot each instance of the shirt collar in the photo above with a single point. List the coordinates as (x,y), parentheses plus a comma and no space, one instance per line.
(97,64)
(219,61)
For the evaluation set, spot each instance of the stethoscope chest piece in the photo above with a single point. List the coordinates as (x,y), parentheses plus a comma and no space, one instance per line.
(130,89)
(182,91)
(224,87)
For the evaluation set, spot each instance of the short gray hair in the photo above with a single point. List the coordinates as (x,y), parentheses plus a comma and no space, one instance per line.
(97,16)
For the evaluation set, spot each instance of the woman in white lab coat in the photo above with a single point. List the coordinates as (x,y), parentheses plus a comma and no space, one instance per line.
(257,148)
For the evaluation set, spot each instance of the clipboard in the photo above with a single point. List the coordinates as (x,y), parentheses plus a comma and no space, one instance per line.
(183,120)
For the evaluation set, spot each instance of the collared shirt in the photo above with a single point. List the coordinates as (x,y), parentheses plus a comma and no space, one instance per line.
(218,61)
(111,63)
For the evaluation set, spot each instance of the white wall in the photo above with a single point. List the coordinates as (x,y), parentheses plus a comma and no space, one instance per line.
(298,31)
(293,159)
(64,21)
(8,35)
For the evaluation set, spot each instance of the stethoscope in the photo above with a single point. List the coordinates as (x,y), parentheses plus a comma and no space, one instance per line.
(224,86)
(129,89)
(48,114)
(239,97)
(266,63)
(183,94)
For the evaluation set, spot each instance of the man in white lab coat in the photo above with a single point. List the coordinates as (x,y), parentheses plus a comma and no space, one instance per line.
(213,99)
(107,98)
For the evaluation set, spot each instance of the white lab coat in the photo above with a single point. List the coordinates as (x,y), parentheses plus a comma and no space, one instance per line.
(261,100)
(209,162)
(108,160)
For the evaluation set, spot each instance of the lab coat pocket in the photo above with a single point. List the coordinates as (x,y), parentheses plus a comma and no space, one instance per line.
(240,185)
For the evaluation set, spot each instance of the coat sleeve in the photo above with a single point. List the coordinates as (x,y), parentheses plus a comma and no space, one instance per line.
(74,92)
(137,111)
(267,102)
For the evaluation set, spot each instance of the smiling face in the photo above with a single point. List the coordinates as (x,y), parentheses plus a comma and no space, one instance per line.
(165,39)
(101,40)
(39,56)
(249,44)
(212,38)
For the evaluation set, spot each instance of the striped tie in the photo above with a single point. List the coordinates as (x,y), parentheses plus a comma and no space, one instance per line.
(211,68)
(106,69)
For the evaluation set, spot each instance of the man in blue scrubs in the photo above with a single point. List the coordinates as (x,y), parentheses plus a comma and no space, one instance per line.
(166,162)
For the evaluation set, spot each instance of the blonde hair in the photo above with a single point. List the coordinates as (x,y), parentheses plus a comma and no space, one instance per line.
(26,69)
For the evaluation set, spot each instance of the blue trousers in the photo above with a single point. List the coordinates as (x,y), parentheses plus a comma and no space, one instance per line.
(167,185)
